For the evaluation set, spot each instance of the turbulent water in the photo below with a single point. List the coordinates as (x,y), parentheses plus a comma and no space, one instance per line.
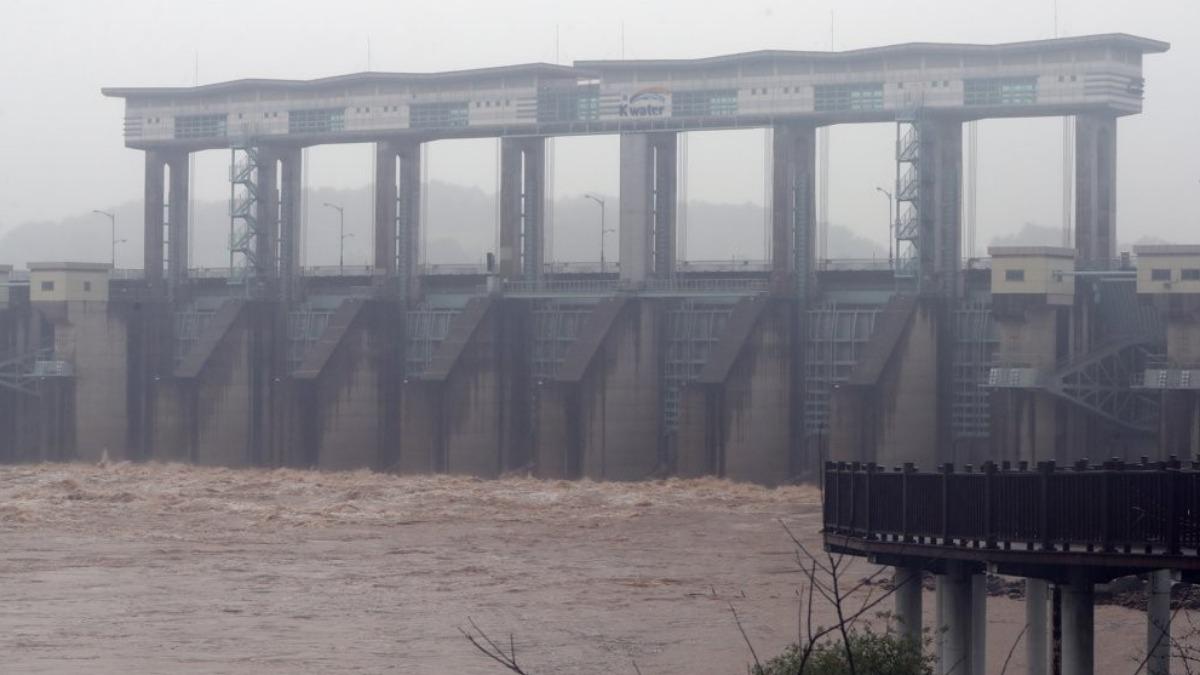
(182,569)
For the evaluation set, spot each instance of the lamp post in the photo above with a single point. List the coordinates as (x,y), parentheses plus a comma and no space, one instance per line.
(891,223)
(341,238)
(603,231)
(112,219)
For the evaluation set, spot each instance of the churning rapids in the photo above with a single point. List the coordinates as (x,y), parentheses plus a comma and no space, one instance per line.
(171,568)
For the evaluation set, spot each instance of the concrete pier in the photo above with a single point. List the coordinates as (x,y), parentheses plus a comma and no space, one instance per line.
(522,207)
(908,591)
(1158,623)
(1078,625)
(1096,188)
(1036,656)
(398,217)
(959,618)
(647,218)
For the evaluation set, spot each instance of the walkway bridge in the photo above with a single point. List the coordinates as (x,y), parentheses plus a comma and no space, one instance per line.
(1071,527)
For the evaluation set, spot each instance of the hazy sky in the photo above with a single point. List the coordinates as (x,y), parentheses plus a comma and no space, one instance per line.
(61,149)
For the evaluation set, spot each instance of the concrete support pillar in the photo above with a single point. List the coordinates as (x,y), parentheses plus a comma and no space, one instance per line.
(398,216)
(154,218)
(177,220)
(978,624)
(957,621)
(647,218)
(1078,629)
(266,242)
(1096,188)
(1036,594)
(1158,623)
(386,202)
(940,205)
(793,208)
(939,624)
(907,584)
(290,218)
(666,181)
(522,207)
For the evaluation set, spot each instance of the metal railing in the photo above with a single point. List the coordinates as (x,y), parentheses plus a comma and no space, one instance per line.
(1150,508)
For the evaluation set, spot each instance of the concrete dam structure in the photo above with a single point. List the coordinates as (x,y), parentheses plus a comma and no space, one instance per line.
(655,366)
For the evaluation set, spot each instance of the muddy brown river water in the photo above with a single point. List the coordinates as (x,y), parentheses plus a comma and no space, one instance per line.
(179,569)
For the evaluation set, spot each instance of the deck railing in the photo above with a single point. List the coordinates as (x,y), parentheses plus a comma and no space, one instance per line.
(1144,508)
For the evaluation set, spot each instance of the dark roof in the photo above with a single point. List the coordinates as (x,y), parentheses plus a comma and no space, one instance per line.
(580,68)
(338,80)
(1145,45)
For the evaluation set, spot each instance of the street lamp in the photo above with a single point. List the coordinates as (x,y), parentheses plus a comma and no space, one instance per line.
(341,238)
(112,219)
(891,224)
(603,231)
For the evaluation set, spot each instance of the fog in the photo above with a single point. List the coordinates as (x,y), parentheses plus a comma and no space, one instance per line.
(61,152)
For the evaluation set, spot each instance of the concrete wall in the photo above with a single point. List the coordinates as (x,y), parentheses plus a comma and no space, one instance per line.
(619,398)
(735,421)
(418,449)
(757,403)
(62,285)
(343,379)
(889,412)
(91,336)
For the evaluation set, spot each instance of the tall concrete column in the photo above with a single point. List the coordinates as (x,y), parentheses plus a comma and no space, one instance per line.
(1158,623)
(1078,626)
(979,624)
(958,615)
(266,242)
(290,217)
(522,207)
(153,218)
(666,181)
(398,215)
(177,220)
(907,584)
(941,581)
(647,218)
(793,208)
(1096,188)
(1036,593)
(940,205)
(386,193)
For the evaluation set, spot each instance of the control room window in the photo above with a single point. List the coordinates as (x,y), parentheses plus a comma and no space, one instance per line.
(1160,275)
(1190,275)
(1014,275)
(47,285)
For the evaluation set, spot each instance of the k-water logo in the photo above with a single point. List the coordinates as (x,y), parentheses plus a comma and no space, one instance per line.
(648,102)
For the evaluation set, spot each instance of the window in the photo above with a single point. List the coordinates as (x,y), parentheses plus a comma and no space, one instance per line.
(47,285)
(843,97)
(1160,275)
(87,286)
(567,102)
(200,126)
(316,121)
(704,103)
(449,114)
(1000,91)
(1190,275)
(1014,275)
